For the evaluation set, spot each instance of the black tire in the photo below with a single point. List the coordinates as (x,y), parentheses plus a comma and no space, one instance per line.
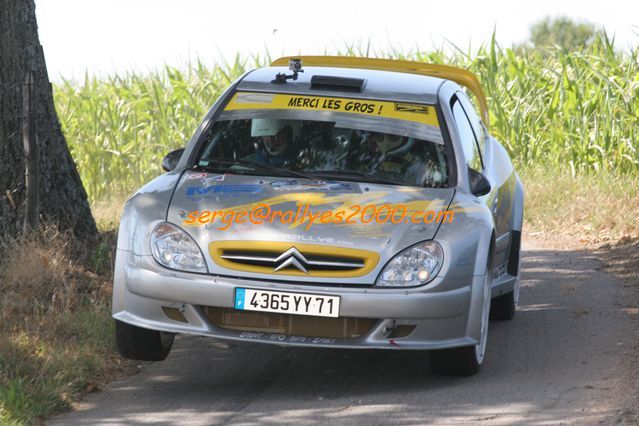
(454,362)
(503,308)
(142,344)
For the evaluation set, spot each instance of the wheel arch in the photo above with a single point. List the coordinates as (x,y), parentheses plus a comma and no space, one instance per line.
(473,324)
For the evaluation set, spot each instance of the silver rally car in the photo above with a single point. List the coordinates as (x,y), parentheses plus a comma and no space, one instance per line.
(328,202)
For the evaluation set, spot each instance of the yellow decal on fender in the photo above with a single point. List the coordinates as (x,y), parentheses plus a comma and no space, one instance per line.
(419,113)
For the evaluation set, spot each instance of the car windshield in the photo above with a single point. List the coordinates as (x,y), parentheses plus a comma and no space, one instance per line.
(328,144)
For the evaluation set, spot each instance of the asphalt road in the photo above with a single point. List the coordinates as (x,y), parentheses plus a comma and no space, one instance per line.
(569,356)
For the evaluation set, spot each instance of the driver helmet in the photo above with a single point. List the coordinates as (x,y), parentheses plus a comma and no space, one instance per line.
(277,134)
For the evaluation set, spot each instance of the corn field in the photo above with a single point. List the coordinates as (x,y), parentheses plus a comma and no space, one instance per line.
(572,110)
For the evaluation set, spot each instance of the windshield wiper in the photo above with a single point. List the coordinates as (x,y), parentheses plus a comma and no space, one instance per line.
(335,174)
(258,166)
(326,174)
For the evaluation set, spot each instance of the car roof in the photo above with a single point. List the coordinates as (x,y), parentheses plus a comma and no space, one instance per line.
(382,85)
(458,75)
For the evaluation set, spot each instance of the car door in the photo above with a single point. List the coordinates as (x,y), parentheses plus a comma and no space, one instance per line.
(473,140)
(495,166)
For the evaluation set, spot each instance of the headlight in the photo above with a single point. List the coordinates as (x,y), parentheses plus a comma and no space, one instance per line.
(414,266)
(175,249)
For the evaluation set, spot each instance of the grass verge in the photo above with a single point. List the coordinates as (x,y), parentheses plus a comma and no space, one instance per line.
(595,208)
(56,331)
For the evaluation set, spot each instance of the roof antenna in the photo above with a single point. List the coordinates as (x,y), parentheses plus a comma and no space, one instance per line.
(294,65)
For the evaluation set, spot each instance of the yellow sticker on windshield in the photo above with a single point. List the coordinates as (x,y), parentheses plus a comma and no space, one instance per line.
(419,113)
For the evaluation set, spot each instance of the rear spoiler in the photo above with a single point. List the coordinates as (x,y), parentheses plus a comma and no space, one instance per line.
(458,75)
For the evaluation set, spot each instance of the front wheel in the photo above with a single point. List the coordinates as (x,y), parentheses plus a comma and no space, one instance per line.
(465,361)
(503,307)
(142,344)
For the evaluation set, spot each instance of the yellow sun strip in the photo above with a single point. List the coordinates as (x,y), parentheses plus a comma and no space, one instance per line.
(419,113)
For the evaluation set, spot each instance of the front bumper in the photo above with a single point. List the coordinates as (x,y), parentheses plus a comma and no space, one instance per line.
(441,319)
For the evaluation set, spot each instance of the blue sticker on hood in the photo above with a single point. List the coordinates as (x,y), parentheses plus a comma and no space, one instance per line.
(203,192)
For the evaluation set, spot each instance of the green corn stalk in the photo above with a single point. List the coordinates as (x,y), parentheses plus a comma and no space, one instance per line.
(570,110)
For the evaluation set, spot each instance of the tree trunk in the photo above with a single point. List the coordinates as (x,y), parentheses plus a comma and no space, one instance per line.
(63,199)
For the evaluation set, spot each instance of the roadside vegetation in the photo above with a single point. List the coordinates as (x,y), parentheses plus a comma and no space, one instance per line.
(572,111)
(599,208)
(56,331)
(568,117)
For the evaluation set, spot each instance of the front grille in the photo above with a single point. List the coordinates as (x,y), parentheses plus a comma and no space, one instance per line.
(282,258)
(289,325)
(314,263)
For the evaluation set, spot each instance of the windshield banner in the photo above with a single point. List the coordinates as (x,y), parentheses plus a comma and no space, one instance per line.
(419,113)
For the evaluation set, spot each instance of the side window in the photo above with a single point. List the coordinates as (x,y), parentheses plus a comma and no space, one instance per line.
(469,145)
(475,121)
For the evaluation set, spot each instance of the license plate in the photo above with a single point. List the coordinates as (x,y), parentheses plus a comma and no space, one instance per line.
(318,305)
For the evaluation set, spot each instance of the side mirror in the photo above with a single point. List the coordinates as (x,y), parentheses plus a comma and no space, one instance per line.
(170,161)
(479,185)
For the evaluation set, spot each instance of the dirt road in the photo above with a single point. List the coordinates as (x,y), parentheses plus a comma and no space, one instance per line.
(569,356)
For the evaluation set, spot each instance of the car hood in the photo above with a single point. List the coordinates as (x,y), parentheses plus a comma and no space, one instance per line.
(295,199)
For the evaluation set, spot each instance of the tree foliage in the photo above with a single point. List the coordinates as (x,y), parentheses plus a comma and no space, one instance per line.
(563,32)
